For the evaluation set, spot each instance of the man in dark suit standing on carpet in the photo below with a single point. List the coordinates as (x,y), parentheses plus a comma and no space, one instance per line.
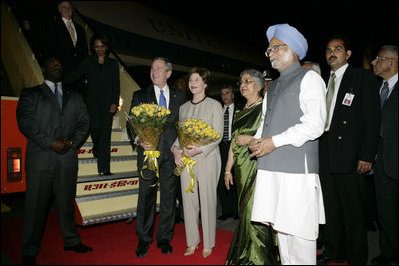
(158,92)
(55,121)
(228,198)
(385,65)
(346,152)
(66,40)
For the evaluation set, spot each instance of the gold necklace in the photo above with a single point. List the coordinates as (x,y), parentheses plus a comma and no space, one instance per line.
(257,101)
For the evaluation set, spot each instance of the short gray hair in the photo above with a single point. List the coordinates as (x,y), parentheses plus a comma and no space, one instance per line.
(391,49)
(256,75)
(315,66)
(168,64)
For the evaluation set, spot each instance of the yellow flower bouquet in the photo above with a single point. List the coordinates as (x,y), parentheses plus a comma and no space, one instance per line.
(148,121)
(193,132)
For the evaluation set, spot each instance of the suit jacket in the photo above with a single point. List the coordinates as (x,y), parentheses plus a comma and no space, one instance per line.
(389,133)
(59,44)
(176,99)
(103,84)
(354,129)
(42,121)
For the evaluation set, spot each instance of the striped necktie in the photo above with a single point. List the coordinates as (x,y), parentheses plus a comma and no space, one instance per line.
(384,93)
(226,124)
(58,95)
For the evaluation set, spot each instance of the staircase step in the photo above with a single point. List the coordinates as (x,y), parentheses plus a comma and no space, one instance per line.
(94,185)
(117,134)
(110,207)
(118,148)
(119,164)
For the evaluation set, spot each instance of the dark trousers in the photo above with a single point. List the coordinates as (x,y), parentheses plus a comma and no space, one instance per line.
(179,206)
(40,187)
(387,208)
(228,198)
(146,206)
(344,234)
(100,132)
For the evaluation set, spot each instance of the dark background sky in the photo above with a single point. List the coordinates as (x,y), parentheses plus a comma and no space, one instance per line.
(368,24)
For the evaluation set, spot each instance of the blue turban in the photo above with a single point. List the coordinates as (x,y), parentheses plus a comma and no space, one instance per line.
(290,36)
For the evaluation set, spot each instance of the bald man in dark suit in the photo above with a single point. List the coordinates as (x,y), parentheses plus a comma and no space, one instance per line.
(55,121)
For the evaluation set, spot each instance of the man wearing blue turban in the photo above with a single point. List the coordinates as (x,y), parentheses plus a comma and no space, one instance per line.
(287,193)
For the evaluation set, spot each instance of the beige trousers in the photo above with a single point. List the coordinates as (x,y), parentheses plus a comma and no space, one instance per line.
(204,199)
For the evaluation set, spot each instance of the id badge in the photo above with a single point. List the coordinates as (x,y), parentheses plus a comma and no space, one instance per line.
(348,99)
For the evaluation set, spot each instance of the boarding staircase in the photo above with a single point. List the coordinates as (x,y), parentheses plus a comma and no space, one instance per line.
(99,199)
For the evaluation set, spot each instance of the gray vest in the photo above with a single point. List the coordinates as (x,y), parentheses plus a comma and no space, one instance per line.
(283,112)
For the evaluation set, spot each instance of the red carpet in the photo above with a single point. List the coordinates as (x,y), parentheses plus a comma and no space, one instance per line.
(112,243)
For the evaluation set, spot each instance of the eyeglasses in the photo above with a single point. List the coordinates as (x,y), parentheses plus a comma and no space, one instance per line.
(379,58)
(246,82)
(273,49)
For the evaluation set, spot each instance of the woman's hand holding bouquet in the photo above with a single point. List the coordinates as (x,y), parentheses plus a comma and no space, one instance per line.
(192,133)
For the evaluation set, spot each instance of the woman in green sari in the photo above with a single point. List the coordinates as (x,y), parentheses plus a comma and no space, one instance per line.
(252,243)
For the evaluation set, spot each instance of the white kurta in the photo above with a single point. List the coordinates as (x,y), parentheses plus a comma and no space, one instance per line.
(293,203)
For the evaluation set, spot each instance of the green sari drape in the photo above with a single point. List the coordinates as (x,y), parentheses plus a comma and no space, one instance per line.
(252,243)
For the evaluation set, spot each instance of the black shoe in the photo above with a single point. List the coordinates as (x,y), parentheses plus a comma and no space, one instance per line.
(79,248)
(224,217)
(323,260)
(141,250)
(165,247)
(105,173)
(28,260)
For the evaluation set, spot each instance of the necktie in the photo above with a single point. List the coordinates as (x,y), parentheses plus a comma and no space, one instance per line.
(384,93)
(226,124)
(330,96)
(162,100)
(71,32)
(58,95)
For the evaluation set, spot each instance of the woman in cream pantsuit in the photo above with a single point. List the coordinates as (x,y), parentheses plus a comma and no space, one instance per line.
(206,170)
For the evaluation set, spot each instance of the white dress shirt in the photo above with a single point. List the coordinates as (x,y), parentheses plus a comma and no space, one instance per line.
(165,93)
(391,83)
(51,86)
(338,78)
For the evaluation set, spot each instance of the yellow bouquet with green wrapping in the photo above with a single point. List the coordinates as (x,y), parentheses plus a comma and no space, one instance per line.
(148,121)
(193,132)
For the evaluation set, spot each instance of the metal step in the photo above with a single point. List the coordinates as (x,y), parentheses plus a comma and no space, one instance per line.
(94,185)
(117,134)
(118,148)
(101,199)
(119,164)
(107,208)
